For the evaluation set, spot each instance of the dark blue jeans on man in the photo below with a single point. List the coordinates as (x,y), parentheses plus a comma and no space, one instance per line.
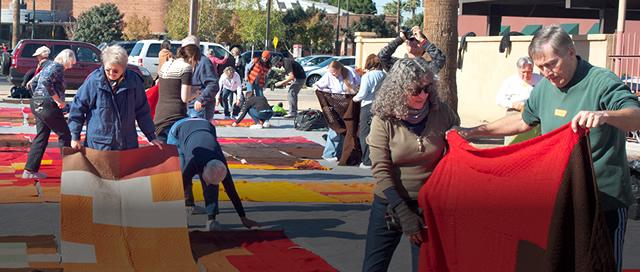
(259,116)
(382,242)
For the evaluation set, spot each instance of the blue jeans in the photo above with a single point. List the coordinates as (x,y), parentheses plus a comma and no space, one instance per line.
(258,116)
(206,112)
(333,147)
(255,88)
(382,242)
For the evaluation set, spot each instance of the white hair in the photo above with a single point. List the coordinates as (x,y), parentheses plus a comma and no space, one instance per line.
(66,57)
(524,61)
(115,55)
(191,39)
(214,172)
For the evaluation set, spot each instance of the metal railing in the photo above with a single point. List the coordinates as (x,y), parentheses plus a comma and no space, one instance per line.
(625,63)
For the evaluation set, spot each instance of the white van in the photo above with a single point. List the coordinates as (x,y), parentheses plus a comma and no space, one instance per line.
(145,52)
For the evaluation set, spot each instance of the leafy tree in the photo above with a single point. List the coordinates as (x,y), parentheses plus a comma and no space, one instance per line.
(214,22)
(415,20)
(391,8)
(412,6)
(137,28)
(102,23)
(319,30)
(356,6)
(252,24)
(375,24)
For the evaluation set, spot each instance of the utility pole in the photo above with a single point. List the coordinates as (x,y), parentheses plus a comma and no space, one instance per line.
(337,45)
(15,36)
(193,17)
(268,30)
(346,38)
(33,20)
(622,8)
(399,19)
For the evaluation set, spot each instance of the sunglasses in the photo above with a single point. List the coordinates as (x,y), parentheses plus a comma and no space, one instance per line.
(423,89)
(113,71)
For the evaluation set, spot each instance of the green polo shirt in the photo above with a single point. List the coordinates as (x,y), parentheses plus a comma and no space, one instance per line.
(592,89)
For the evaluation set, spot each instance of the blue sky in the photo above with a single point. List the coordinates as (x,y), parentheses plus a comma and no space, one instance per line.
(380,4)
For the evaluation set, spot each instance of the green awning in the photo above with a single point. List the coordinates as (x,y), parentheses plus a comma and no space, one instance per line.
(504,29)
(531,29)
(572,29)
(595,29)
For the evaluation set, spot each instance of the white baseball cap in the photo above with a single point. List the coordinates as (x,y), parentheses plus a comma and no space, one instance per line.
(42,51)
(191,39)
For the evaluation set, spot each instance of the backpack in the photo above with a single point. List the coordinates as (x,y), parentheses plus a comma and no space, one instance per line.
(20,92)
(310,120)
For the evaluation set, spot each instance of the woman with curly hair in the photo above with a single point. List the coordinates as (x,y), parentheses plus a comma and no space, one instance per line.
(406,141)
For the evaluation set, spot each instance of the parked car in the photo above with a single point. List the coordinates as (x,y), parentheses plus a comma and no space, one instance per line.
(87,60)
(145,52)
(127,45)
(315,60)
(314,73)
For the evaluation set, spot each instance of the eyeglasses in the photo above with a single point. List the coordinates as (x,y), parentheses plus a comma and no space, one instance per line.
(422,89)
(112,71)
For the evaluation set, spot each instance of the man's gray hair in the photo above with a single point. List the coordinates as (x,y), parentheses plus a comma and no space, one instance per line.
(553,35)
(115,55)
(66,57)
(406,74)
(214,172)
(524,61)
(191,39)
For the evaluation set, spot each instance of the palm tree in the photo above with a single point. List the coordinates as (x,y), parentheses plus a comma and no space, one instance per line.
(441,28)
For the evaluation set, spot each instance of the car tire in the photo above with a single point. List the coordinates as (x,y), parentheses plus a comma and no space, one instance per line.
(312,79)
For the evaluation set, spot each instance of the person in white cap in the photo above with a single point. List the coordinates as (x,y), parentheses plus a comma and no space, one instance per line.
(42,56)
(205,81)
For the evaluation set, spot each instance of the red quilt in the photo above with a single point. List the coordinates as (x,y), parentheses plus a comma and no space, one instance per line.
(531,206)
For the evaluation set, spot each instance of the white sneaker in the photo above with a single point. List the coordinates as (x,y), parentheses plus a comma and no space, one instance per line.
(33,175)
(363,166)
(195,210)
(256,126)
(266,124)
(331,159)
(234,117)
(213,225)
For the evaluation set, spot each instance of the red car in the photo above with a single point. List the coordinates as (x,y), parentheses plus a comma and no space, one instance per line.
(87,60)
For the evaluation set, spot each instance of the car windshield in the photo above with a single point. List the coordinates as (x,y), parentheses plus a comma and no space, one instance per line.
(136,50)
(316,61)
(325,62)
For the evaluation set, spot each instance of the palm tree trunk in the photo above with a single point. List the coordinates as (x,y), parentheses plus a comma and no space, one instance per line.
(441,28)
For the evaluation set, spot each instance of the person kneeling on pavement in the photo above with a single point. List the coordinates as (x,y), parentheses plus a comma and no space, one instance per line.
(258,108)
(201,154)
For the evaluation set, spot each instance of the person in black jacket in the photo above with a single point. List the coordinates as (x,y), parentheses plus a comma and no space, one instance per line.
(417,46)
(258,108)
(201,154)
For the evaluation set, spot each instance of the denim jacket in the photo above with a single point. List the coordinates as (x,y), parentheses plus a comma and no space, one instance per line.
(111,116)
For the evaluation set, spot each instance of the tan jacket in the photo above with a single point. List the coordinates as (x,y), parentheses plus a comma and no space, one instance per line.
(395,151)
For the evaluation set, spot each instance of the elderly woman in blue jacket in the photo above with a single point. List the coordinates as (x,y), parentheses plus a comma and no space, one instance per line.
(110,101)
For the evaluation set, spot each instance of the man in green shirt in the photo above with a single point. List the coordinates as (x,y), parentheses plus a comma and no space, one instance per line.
(586,96)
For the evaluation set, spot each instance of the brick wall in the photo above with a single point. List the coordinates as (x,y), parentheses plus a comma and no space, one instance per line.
(153,9)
